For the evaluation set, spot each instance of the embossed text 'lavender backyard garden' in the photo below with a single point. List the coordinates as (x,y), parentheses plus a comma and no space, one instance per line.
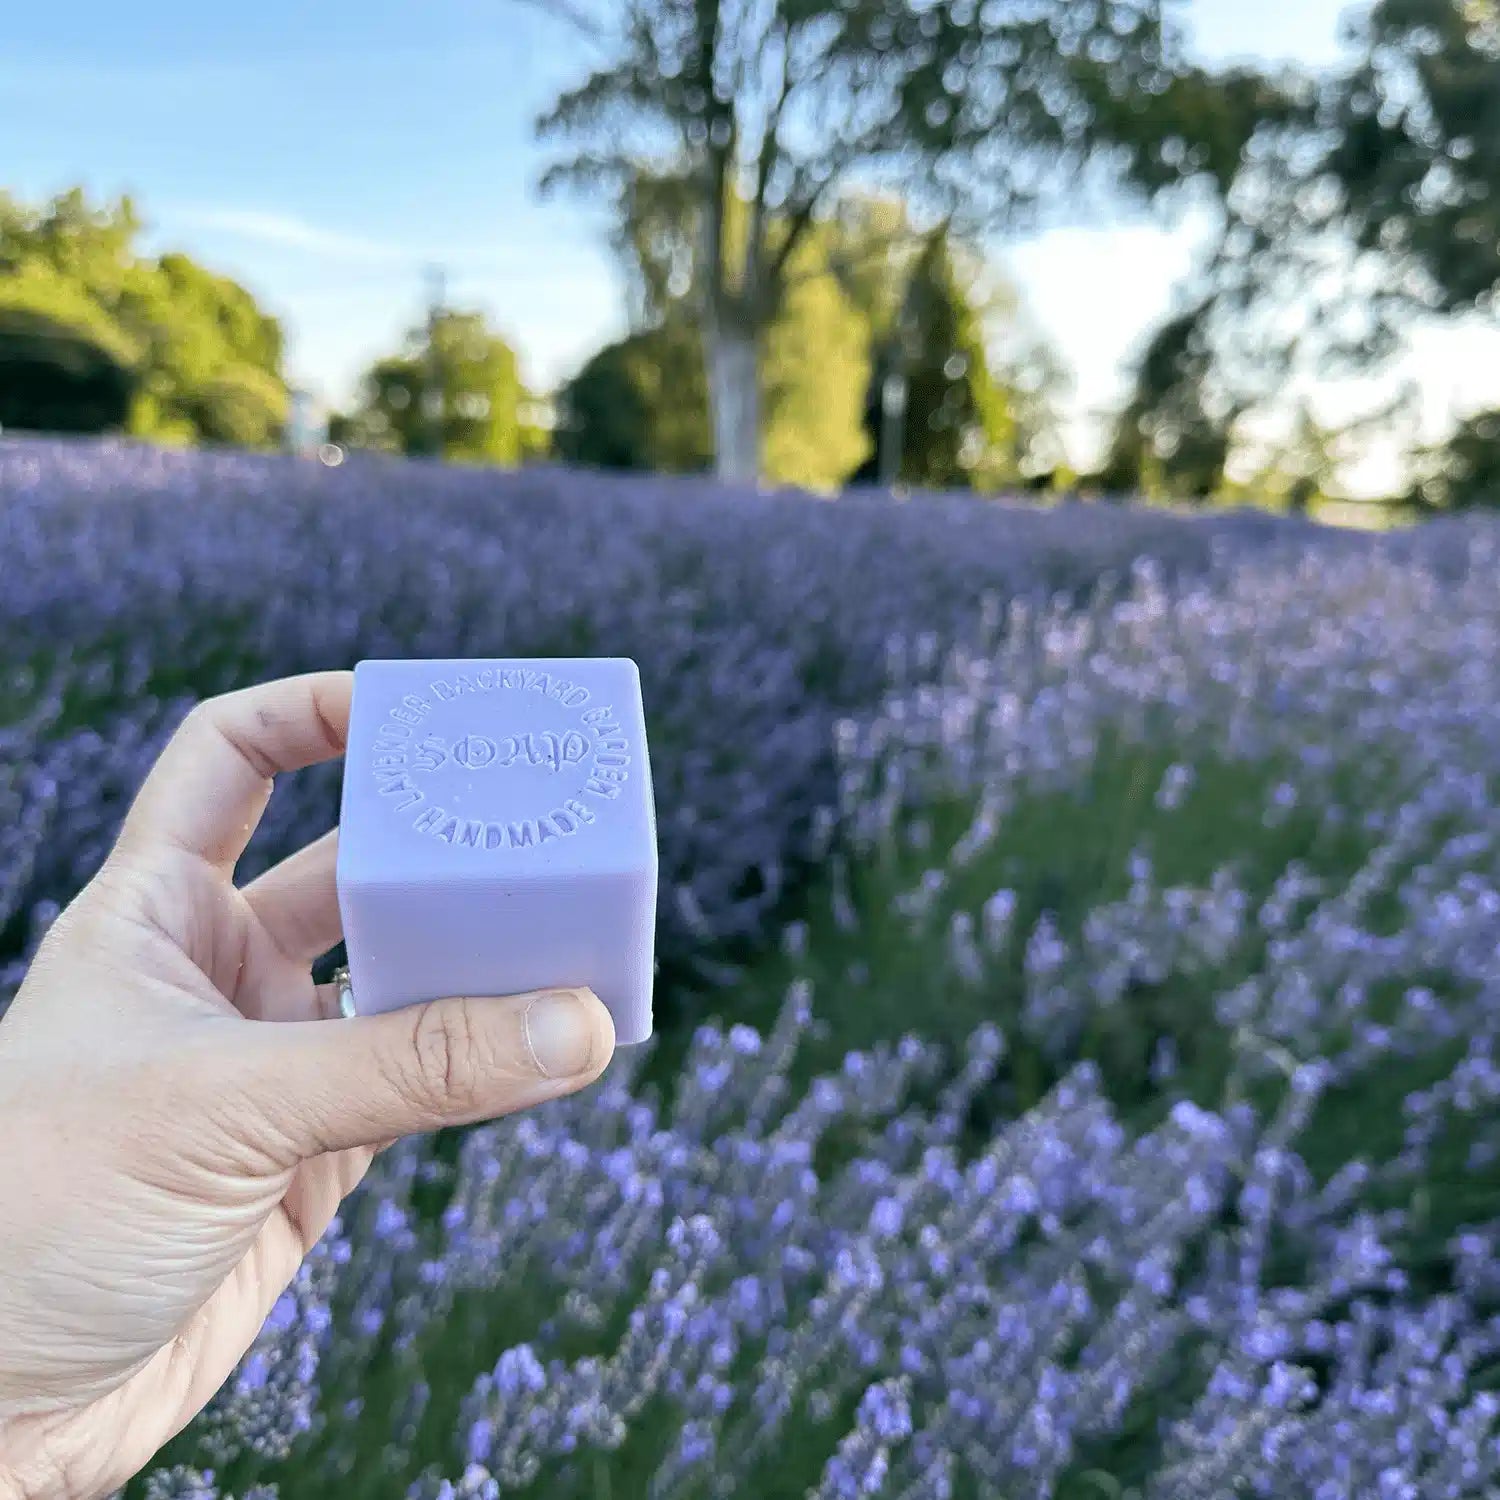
(1080,989)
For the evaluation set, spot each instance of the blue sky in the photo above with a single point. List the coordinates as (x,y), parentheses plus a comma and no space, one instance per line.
(324,154)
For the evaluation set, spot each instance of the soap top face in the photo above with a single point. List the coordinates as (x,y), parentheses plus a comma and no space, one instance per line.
(496,769)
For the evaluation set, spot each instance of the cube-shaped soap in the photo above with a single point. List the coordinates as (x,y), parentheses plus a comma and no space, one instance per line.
(498,833)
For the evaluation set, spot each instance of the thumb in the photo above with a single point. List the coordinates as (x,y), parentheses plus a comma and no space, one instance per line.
(332,1085)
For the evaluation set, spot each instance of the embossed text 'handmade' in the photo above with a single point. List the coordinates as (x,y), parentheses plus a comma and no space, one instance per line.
(498,833)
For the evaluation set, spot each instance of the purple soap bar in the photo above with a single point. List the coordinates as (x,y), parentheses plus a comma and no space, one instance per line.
(498,833)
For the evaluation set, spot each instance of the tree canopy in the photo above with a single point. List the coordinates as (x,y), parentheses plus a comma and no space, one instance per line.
(639,403)
(1173,437)
(1414,153)
(95,335)
(1356,205)
(1464,472)
(966,420)
(764,112)
(453,391)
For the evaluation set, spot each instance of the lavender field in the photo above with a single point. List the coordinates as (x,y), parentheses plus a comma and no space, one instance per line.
(1081,986)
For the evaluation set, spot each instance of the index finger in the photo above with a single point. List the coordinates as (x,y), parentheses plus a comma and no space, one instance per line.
(208,789)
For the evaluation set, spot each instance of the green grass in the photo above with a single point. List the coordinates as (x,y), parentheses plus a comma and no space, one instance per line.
(1063,853)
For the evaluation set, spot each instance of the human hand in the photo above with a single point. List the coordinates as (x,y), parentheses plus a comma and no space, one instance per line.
(168,1153)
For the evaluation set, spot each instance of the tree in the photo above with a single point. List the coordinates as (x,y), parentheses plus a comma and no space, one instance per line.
(1296,471)
(1416,162)
(644,402)
(765,111)
(241,405)
(639,403)
(455,390)
(847,286)
(1354,205)
(965,422)
(1464,472)
(214,358)
(1173,439)
(813,364)
(1369,200)
(64,365)
(1415,152)
(192,354)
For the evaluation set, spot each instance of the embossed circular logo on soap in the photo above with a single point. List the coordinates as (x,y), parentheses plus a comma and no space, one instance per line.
(457,765)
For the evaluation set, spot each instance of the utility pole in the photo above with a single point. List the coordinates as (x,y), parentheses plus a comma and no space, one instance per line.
(432,395)
(298,434)
(893,394)
(895,389)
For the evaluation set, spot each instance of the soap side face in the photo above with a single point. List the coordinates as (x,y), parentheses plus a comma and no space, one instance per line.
(498,833)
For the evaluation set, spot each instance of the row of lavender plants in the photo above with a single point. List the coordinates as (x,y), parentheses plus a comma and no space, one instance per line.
(1257,1256)
(1119,1116)
(136,580)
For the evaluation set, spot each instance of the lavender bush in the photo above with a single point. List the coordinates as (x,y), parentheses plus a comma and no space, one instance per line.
(137,580)
(1116,1114)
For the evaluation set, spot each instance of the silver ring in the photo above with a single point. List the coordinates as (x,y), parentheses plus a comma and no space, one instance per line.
(346,993)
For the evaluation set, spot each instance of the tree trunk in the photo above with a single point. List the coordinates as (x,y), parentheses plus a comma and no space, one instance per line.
(734,394)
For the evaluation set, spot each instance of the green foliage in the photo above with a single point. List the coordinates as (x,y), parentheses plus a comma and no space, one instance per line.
(455,390)
(1298,475)
(962,428)
(814,367)
(643,403)
(1464,472)
(1416,162)
(64,364)
(640,403)
(345,429)
(1386,170)
(41,291)
(199,297)
(756,118)
(978,106)
(658,242)
(1193,124)
(193,355)
(850,282)
(1173,438)
(241,405)
(89,248)
(1353,204)
(1416,147)
(214,358)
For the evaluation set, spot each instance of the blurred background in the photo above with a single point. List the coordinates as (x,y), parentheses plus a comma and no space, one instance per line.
(1232,254)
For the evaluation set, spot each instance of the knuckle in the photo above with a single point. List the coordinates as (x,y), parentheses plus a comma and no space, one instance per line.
(201,717)
(202,723)
(448,1058)
(226,718)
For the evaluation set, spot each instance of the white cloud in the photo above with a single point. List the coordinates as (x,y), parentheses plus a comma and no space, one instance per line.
(288,232)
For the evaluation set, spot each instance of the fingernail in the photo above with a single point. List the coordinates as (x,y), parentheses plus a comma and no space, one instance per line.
(559,1034)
